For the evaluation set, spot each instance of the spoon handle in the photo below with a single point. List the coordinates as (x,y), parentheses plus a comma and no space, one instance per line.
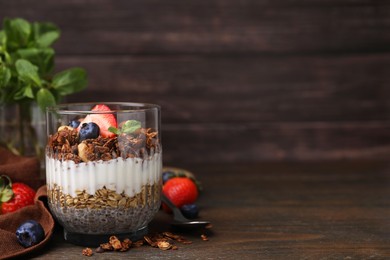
(178,216)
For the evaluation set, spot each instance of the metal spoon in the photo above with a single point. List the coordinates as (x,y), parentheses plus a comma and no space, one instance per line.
(179,220)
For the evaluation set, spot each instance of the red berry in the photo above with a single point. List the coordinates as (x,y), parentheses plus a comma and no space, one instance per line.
(104,121)
(23,196)
(181,191)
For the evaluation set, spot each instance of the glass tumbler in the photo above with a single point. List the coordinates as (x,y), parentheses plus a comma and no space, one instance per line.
(103,169)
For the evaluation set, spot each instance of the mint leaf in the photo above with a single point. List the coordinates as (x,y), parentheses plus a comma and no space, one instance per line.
(19,94)
(70,81)
(47,39)
(28,92)
(17,32)
(3,39)
(45,34)
(27,72)
(114,130)
(5,76)
(42,58)
(130,126)
(45,98)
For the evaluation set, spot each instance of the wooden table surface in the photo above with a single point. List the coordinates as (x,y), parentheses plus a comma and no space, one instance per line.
(327,210)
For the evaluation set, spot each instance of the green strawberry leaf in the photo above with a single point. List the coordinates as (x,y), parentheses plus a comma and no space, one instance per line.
(6,195)
(6,192)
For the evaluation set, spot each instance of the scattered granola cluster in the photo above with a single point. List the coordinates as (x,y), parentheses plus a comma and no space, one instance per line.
(163,241)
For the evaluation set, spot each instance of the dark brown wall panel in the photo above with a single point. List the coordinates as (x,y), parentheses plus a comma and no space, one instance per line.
(217,27)
(245,89)
(237,80)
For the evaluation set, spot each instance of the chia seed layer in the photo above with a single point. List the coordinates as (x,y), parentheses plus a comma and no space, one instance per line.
(103,217)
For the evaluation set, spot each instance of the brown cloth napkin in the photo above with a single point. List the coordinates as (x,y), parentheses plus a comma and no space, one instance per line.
(22,169)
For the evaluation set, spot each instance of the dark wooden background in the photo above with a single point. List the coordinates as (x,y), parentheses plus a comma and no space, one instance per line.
(238,81)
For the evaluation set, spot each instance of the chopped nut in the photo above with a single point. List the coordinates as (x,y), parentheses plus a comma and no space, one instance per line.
(138,243)
(150,241)
(127,241)
(171,235)
(163,245)
(204,237)
(64,127)
(87,251)
(106,247)
(83,151)
(115,243)
(124,247)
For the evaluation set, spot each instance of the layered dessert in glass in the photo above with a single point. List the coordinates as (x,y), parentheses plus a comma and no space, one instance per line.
(103,169)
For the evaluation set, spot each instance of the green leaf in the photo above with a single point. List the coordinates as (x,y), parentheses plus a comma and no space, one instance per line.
(5,76)
(130,126)
(6,192)
(28,92)
(42,58)
(3,39)
(70,81)
(18,33)
(45,34)
(114,130)
(27,72)
(6,195)
(19,94)
(45,99)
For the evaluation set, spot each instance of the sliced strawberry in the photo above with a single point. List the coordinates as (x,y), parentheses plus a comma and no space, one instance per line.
(104,121)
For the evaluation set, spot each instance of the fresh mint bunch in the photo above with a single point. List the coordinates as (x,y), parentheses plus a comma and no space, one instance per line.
(27,63)
(129,127)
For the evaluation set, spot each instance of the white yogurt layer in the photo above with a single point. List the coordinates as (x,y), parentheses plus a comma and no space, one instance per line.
(123,175)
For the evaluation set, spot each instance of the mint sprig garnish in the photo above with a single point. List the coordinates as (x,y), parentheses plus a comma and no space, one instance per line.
(129,127)
(27,64)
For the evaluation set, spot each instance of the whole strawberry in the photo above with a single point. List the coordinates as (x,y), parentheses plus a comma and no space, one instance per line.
(181,191)
(14,196)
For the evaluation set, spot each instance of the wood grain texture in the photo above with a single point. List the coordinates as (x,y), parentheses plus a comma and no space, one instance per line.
(237,80)
(245,89)
(214,27)
(313,210)
(276,142)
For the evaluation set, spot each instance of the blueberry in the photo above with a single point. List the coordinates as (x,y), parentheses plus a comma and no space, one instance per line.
(74,123)
(190,211)
(89,131)
(30,233)
(167,175)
